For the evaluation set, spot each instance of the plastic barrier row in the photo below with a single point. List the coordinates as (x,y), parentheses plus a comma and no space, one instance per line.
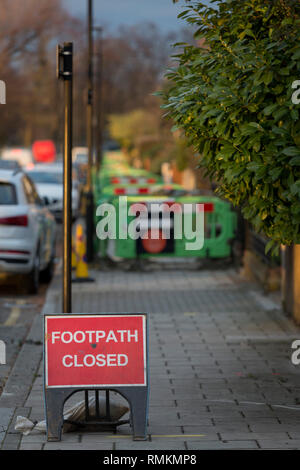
(160,220)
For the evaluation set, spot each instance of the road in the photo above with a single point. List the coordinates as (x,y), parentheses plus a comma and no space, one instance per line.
(17,311)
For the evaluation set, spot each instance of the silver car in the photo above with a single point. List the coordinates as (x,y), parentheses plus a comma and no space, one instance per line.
(48,179)
(27,230)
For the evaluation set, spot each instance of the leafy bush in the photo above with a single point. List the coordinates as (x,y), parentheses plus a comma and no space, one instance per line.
(232,97)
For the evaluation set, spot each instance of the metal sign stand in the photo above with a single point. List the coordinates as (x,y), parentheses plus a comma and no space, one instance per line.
(137,398)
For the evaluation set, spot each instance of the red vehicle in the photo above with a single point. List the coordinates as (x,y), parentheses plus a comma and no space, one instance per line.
(44,151)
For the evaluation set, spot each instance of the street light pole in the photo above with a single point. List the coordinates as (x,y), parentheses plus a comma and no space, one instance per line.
(89,193)
(99,108)
(65,72)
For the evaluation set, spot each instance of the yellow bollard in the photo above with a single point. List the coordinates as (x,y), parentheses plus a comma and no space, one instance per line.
(74,256)
(82,273)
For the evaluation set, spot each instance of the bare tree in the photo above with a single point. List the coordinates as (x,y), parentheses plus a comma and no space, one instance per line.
(27,65)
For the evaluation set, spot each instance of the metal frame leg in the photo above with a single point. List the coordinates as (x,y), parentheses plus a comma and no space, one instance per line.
(138,400)
(54,404)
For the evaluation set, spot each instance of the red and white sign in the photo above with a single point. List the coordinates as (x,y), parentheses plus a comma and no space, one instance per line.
(95,350)
(44,151)
(154,243)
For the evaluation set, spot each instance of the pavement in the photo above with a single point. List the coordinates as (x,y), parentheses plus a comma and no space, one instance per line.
(221,375)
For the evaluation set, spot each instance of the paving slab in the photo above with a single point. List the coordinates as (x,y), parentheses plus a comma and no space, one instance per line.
(273,444)
(222,445)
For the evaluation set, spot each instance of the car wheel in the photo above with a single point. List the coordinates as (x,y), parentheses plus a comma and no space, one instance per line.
(47,274)
(34,276)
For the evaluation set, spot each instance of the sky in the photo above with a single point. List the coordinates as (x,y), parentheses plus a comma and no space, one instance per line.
(113,13)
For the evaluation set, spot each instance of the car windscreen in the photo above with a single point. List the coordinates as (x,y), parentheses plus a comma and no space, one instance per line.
(7,194)
(45,177)
(81,158)
(9,165)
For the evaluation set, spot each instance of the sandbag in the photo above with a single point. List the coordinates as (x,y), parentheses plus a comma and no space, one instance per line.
(76,413)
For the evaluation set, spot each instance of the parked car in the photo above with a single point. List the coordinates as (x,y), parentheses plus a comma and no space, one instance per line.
(22,155)
(80,161)
(49,183)
(10,165)
(27,230)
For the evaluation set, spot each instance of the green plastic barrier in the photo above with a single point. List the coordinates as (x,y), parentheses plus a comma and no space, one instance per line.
(117,178)
(219,230)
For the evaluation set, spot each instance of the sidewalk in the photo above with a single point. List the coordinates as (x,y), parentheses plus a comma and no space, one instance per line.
(220,370)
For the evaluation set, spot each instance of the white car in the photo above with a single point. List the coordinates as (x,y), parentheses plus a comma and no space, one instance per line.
(48,180)
(27,230)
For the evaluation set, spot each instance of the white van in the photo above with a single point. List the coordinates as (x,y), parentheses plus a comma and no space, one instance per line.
(22,155)
(80,155)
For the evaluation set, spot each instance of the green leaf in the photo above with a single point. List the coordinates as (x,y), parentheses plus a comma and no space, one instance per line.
(270,108)
(291,151)
(256,126)
(296,55)
(295,188)
(253,166)
(268,77)
(183,13)
(295,161)
(268,246)
(275,172)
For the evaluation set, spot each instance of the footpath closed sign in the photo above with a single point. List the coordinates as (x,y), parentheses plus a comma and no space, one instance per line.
(104,350)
